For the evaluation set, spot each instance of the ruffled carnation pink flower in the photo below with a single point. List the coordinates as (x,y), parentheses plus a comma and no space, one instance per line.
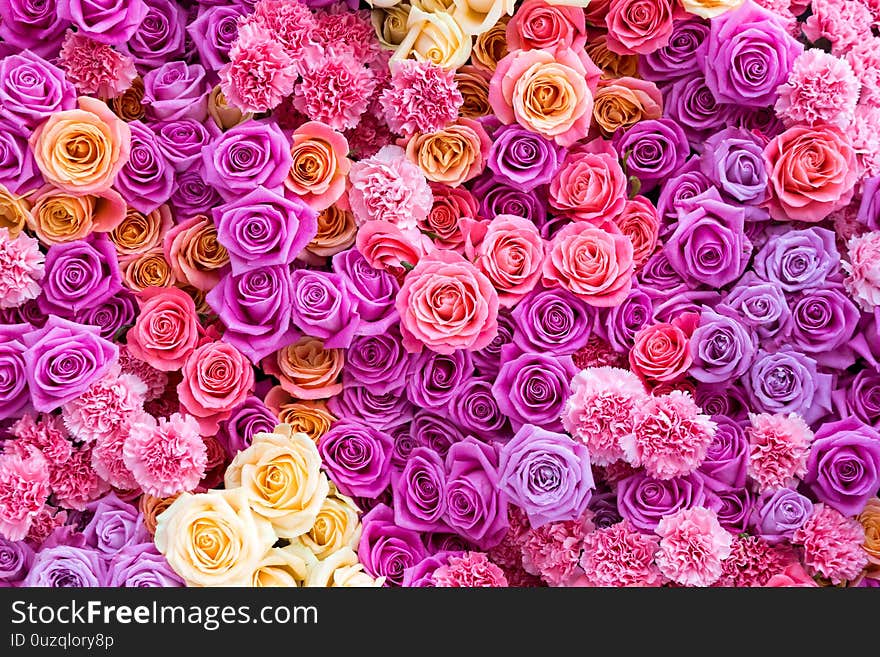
(865,133)
(154,380)
(832,545)
(508,553)
(260,73)
(95,68)
(553,550)
(864,59)
(24,488)
(778,449)
(620,556)
(44,523)
(784,10)
(108,462)
(693,546)
(821,89)
(105,406)
(752,562)
(390,188)
(472,569)
(335,89)
(21,269)
(422,97)
(863,268)
(600,410)
(370,135)
(165,457)
(598,353)
(76,483)
(289,22)
(343,30)
(842,22)
(47,434)
(670,435)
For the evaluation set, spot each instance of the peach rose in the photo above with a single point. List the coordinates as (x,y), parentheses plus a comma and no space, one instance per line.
(385,246)
(611,64)
(336,526)
(511,256)
(217,377)
(445,303)
(336,232)
(310,417)
(490,47)
(58,216)
(452,155)
(195,254)
(320,165)
(341,569)
(593,263)
(166,330)
(639,27)
(14,212)
(434,37)
(548,92)
(282,567)
(538,24)
(812,172)
(152,507)
(225,116)
(870,519)
(590,185)
(82,150)
(149,269)
(306,369)
(138,233)
(713,8)
(474,88)
(640,222)
(624,102)
(477,16)
(128,105)
(661,353)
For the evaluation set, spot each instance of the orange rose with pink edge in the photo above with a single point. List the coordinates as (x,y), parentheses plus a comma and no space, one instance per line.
(320,165)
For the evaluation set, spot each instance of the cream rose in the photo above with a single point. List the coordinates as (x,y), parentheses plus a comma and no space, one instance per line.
(283,567)
(281,474)
(390,24)
(213,538)
(336,527)
(709,8)
(435,37)
(341,569)
(477,16)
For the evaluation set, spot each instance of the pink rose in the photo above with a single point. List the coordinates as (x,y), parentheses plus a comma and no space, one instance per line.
(593,263)
(537,25)
(793,575)
(320,165)
(217,377)
(590,186)
(451,205)
(812,172)
(640,26)
(661,352)
(385,246)
(166,330)
(640,222)
(445,303)
(511,256)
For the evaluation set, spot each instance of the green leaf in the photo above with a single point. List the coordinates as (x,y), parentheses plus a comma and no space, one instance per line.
(407,265)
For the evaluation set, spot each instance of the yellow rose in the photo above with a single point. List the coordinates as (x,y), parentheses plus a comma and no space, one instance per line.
(382,4)
(390,24)
(341,569)
(283,567)
(870,519)
(281,474)
(213,538)
(138,232)
(477,16)
(434,37)
(709,8)
(225,116)
(336,527)
(14,212)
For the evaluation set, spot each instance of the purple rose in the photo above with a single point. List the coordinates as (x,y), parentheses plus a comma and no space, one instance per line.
(446,542)
(684,301)
(823,321)
(420,492)
(114,525)
(727,458)
(678,57)
(31,89)
(175,91)
(193,196)
(68,567)
(777,515)
(862,397)
(109,21)
(732,159)
(552,321)
(475,506)
(140,566)
(603,505)
(688,182)
(658,278)
(523,158)
(15,560)
(762,120)
(618,325)
(18,171)
(254,308)
(160,36)
(708,245)
(760,305)
(434,431)
(788,382)
(322,307)
(475,409)
(496,198)
(63,360)
(690,103)
(374,289)
(869,208)
(79,275)
(13,382)
(488,359)
(251,418)
(843,468)
(111,315)
(30,25)
(252,154)
(404,444)
(653,150)
(546,474)
(749,54)
(213,32)
(798,259)
(533,388)
(387,550)
(434,379)
(382,410)
(147,178)
(357,457)
(723,399)
(722,348)
(264,228)
(182,141)
(733,507)
(644,501)
(378,361)
(421,575)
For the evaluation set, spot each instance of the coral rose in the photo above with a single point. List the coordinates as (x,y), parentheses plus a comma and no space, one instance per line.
(166,330)
(537,24)
(639,26)
(590,185)
(511,256)
(661,352)
(320,165)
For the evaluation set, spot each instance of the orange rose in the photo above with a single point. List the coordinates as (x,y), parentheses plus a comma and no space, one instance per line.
(474,87)
(13,212)
(306,369)
(623,102)
(194,253)
(127,106)
(612,64)
(870,519)
(490,47)
(336,232)
(151,507)
(138,232)
(452,155)
(149,269)
(58,216)
(310,417)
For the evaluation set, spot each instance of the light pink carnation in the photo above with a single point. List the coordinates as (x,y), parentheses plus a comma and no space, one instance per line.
(620,556)
(289,22)
(44,523)
(94,68)
(472,569)
(165,457)
(260,73)
(76,483)
(21,269)
(778,448)
(864,58)
(598,353)
(335,89)
(670,436)
(600,410)
(388,187)
(693,546)
(873,6)
(832,545)
(863,267)
(422,97)
(865,133)
(108,462)
(842,22)
(154,380)
(24,488)
(821,89)
(47,434)
(553,550)
(753,561)
(343,30)
(105,406)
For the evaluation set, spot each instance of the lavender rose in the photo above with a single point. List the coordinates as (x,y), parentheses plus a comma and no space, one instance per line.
(644,501)
(552,321)
(213,32)
(31,89)
(788,382)
(533,388)
(140,566)
(379,362)
(733,507)
(475,409)
(387,550)
(823,321)
(727,458)
(64,566)
(434,431)
(420,492)
(160,36)
(678,57)
(18,171)
(15,561)
(653,150)
(382,410)
(34,26)
(497,197)
(798,259)
(421,575)
(79,275)
(176,90)
(182,141)
(488,359)
(13,382)
(193,196)
(760,305)
(323,307)
(659,279)
(374,289)
(687,183)
(618,325)
(147,179)
(778,514)
(114,525)
(732,159)
(862,397)
(723,399)
(109,21)
(869,208)
(111,315)
(357,457)
(690,103)
(251,418)
(722,348)
(523,158)
(433,379)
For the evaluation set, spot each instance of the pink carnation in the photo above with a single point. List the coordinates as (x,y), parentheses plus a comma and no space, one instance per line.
(24,488)
(600,410)
(108,462)
(865,133)
(864,59)
(693,546)
(44,523)
(873,6)
(76,483)
(105,406)
(47,434)
(260,73)
(670,435)
(165,457)
(778,448)
(154,380)
(95,68)
(842,22)
(343,30)
(472,569)
(821,89)
(598,353)
(863,268)
(620,556)
(553,551)
(289,22)
(370,135)
(783,11)
(832,545)
(422,97)
(388,187)
(752,562)
(21,269)
(335,89)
